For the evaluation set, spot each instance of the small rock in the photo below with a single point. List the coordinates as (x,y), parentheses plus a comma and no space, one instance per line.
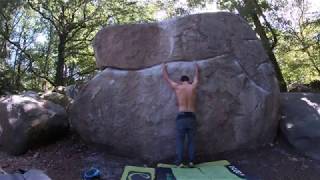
(36,155)
(293,159)
(5,165)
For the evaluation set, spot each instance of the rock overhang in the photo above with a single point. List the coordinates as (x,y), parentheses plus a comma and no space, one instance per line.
(189,38)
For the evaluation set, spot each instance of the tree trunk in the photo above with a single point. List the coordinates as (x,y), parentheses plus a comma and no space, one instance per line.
(267,46)
(3,48)
(265,41)
(59,79)
(46,65)
(18,77)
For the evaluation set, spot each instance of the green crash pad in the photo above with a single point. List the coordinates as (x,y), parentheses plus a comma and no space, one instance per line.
(217,170)
(213,163)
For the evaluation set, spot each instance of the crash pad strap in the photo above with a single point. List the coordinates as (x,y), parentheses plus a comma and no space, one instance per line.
(222,172)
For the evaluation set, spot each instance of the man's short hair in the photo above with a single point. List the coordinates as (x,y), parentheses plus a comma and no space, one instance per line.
(184,78)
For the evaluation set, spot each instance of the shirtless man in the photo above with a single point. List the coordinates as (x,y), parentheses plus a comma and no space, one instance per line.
(185,121)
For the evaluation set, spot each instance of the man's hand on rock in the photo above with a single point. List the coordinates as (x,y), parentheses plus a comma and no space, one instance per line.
(196,65)
(164,67)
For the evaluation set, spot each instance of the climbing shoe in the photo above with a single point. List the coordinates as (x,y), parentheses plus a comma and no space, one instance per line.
(191,165)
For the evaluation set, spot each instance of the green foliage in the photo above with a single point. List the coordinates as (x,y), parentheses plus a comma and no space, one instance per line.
(299,45)
(299,55)
(7,10)
(39,34)
(5,85)
(293,39)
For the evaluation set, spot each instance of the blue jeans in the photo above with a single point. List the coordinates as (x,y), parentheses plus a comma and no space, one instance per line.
(185,127)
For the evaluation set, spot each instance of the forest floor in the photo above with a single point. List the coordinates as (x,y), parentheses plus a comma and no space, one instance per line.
(68,158)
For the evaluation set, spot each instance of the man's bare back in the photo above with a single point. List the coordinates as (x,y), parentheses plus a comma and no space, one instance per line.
(186,97)
(185,91)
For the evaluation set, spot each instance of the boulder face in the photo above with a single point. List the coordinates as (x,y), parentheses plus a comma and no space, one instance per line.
(130,109)
(26,121)
(300,122)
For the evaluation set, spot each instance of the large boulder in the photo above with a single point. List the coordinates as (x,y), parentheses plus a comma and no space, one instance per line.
(26,121)
(300,122)
(129,108)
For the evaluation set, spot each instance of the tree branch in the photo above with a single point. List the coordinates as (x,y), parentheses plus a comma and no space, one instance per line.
(274,35)
(44,16)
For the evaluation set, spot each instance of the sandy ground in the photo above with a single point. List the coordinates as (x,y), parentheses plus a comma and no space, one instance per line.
(68,158)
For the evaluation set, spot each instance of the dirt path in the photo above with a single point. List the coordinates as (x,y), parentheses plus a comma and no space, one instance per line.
(277,162)
(68,158)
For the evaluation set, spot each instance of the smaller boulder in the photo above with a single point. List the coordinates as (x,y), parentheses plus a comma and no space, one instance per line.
(300,123)
(59,89)
(56,98)
(26,121)
(73,90)
(33,174)
(31,94)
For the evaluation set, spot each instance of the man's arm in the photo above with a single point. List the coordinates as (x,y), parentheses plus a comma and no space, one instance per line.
(166,76)
(196,76)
